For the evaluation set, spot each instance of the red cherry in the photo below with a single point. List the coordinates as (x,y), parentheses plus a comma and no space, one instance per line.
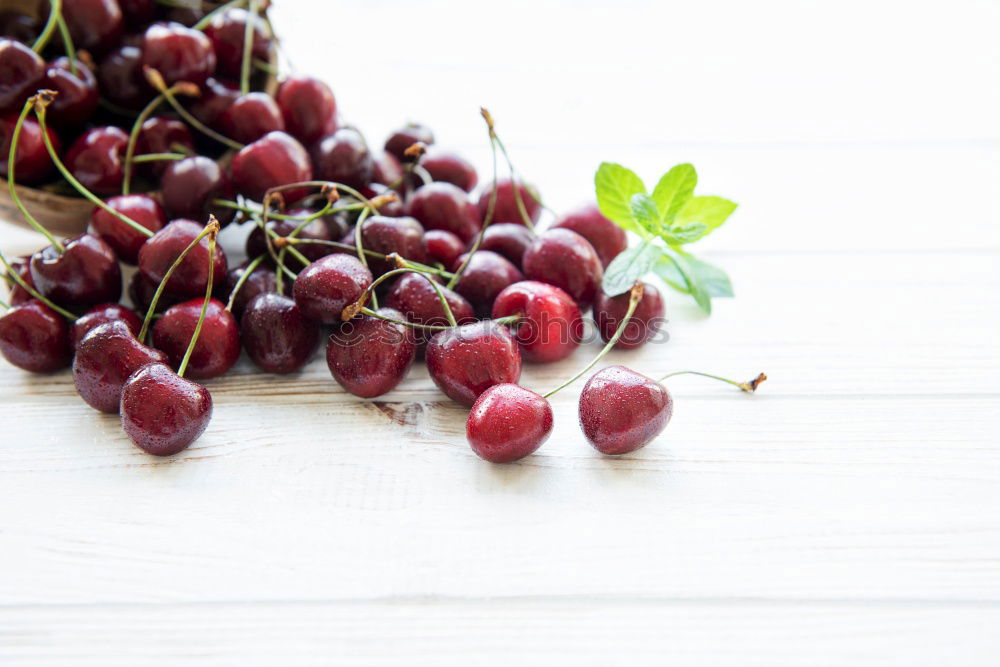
(105,358)
(387,169)
(250,117)
(368,356)
(121,79)
(276,335)
(191,277)
(316,230)
(18,26)
(158,135)
(392,209)
(96,159)
(218,345)
(190,185)
(403,236)
(21,74)
(607,238)
(21,266)
(94,25)
(84,274)
(122,238)
(178,53)
(508,239)
(32,163)
(274,159)
(565,259)
(449,167)
(647,319)
(445,206)
(505,209)
(141,292)
(484,278)
(307,105)
(550,327)
(413,296)
(77,93)
(163,413)
(343,157)
(406,136)
(621,410)
(102,314)
(467,360)
(507,423)
(226,32)
(216,96)
(324,288)
(442,246)
(262,281)
(34,338)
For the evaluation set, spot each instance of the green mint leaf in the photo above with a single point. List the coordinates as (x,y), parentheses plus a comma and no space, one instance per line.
(629,266)
(681,234)
(715,281)
(673,264)
(709,211)
(674,190)
(615,186)
(645,213)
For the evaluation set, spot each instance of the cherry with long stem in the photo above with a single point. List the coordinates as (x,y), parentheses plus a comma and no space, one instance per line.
(250,268)
(144,115)
(157,81)
(11,177)
(356,307)
(55,12)
(208,298)
(748,387)
(16,277)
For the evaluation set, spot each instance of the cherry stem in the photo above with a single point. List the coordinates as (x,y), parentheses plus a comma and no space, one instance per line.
(55,11)
(205,20)
(13,275)
(359,247)
(4,305)
(250,268)
(156,80)
(515,182)
(284,245)
(248,30)
(158,157)
(370,253)
(413,325)
(748,387)
(208,296)
(634,297)
(353,309)
(40,112)
(211,228)
(11,178)
(67,41)
(133,139)
(249,210)
(369,203)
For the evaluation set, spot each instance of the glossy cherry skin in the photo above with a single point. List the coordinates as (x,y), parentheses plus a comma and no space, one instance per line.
(550,327)
(122,238)
(505,209)
(621,410)
(315,230)
(508,239)
(406,136)
(442,246)
(102,314)
(121,80)
(178,53)
(86,273)
(17,294)
(158,135)
(450,167)
(32,163)
(390,209)
(343,157)
(607,238)
(218,345)
(647,319)
(21,73)
(413,296)
(307,105)
(403,236)
(565,259)
(141,292)
(445,206)
(369,357)
(163,413)
(250,117)
(484,278)
(105,358)
(34,338)
(507,423)
(216,96)
(97,159)
(262,281)
(276,335)
(226,32)
(275,159)
(467,360)
(94,25)
(189,186)
(77,93)
(387,169)
(191,277)
(327,286)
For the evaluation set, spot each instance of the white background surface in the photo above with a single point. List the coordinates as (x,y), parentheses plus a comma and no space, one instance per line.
(847,514)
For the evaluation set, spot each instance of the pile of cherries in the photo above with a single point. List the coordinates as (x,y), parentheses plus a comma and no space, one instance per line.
(388,255)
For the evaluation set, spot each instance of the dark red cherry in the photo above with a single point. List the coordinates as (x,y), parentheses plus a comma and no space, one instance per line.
(607,238)
(163,413)
(138,12)
(86,273)
(159,135)
(442,246)
(187,16)
(403,236)
(550,327)
(218,345)
(97,159)
(18,26)
(565,259)
(32,164)
(507,423)
(621,410)
(413,296)
(449,167)
(467,360)
(368,356)
(445,206)
(102,314)
(141,292)
(387,170)
(508,239)
(505,209)
(189,186)
(21,74)
(406,136)
(324,288)
(178,53)
(316,230)
(191,277)
(484,278)
(276,335)
(250,117)
(343,157)
(122,238)
(77,93)
(275,159)
(105,358)
(34,338)
(215,98)
(391,209)
(647,319)
(227,32)
(17,294)
(262,281)
(94,25)
(121,80)
(307,105)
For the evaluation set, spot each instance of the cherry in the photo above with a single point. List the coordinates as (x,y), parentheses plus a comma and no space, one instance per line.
(105,358)
(121,79)
(138,12)
(507,423)
(403,236)
(449,167)
(216,96)
(505,209)
(508,239)
(307,105)
(227,30)
(445,206)
(485,276)
(141,292)
(276,335)
(187,16)
(94,25)
(250,117)
(191,277)
(18,26)
(32,162)
(189,186)
(609,311)
(122,238)
(96,159)
(467,360)
(159,135)
(218,346)
(77,93)
(607,238)
(19,295)
(84,274)
(391,209)
(387,170)
(178,53)
(550,327)
(565,259)
(102,314)
(324,288)
(163,413)
(34,338)
(413,296)
(621,410)
(263,280)
(368,356)
(343,157)
(318,229)
(406,136)
(442,246)
(274,159)
(21,74)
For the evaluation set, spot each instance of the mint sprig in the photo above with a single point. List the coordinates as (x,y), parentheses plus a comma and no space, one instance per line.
(669,218)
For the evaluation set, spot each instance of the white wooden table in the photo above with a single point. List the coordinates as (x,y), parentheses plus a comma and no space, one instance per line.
(847,514)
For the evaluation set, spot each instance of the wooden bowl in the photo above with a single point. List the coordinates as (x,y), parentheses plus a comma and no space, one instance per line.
(63,215)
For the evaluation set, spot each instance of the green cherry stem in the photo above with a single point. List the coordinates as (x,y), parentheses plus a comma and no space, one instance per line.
(250,268)
(634,297)
(515,181)
(208,298)
(4,305)
(203,23)
(13,275)
(408,264)
(748,387)
(67,41)
(133,139)
(354,308)
(248,48)
(158,157)
(55,11)
(360,250)
(156,80)
(405,323)
(284,247)
(11,178)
